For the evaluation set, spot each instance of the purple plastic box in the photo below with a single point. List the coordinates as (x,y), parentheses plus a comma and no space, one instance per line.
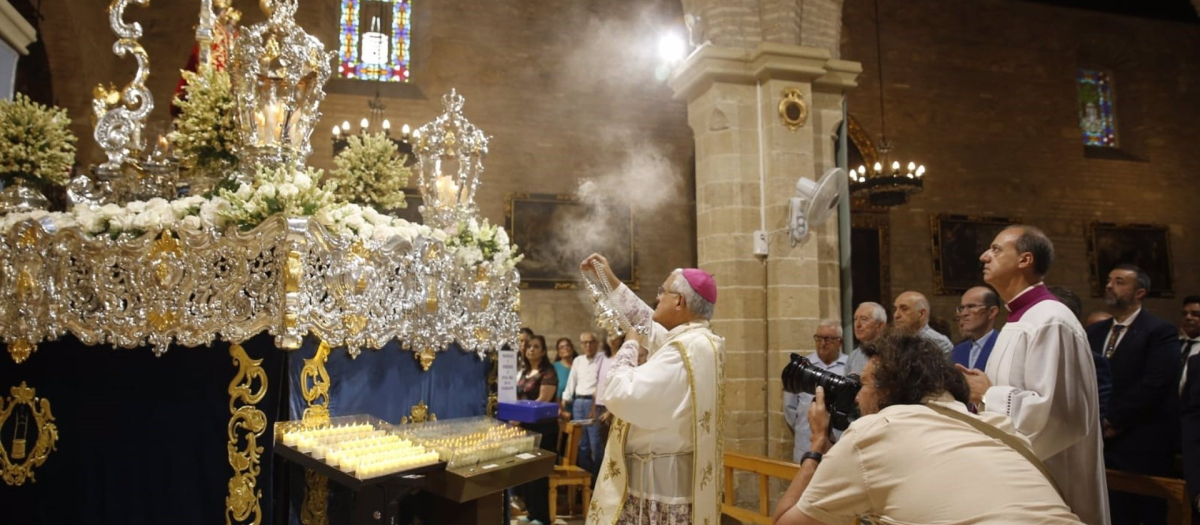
(526,411)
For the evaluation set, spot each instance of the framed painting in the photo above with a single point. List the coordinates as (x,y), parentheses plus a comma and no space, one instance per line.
(958,241)
(557,231)
(1146,245)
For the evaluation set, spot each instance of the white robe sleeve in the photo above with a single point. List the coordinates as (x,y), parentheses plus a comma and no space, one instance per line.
(644,395)
(639,314)
(1054,378)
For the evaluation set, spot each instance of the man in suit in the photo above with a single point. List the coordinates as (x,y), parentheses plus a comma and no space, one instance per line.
(1143,410)
(1189,334)
(976,313)
(1190,403)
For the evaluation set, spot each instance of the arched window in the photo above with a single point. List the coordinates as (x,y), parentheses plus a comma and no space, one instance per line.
(1097,113)
(375,40)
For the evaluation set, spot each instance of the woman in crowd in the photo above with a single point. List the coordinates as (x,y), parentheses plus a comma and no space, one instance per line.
(566,355)
(538,382)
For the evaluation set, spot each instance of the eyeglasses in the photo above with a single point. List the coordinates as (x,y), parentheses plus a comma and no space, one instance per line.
(592,342)
(663,291)
(964,307)
(826,339)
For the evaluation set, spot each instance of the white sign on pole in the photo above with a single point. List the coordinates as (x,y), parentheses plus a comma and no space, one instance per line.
(506,372)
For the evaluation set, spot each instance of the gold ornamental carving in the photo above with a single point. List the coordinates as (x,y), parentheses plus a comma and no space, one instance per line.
(792,109)
(20,350)
(425,358)
(419,414)
(314,387)
(246,425)
(19,458)
(315,508)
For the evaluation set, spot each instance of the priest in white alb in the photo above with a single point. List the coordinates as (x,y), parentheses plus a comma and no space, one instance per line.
(1041,372)
(662,465)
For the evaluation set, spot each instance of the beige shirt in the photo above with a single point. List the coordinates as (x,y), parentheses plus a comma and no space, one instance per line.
(908,464)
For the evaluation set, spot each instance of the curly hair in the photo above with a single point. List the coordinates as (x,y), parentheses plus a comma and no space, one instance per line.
(910,369)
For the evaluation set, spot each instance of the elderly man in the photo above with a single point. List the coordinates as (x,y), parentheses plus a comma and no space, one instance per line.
(1041,373)
(909,457)
(870,319)
(1142,422)
(663,460)
(580,395)
(976,314)
(828,339)
(912,317)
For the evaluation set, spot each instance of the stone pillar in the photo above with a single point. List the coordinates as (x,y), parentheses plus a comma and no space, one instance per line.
(747,165)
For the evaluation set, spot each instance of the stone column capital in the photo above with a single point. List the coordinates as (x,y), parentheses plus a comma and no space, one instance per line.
(768,61)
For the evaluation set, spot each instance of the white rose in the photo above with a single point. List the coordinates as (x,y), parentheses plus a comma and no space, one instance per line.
(266,191)
(244,192)
(136,207)
(157,202)
(302,181)
(192,222)
(111,210)
(355,221)
(288,190)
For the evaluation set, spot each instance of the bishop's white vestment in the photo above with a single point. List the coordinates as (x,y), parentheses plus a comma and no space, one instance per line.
(663,462)
(1043,377)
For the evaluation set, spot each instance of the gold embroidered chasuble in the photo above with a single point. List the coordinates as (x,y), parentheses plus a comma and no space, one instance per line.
(663,462)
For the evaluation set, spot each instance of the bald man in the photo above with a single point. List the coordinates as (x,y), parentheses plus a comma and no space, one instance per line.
(912,318)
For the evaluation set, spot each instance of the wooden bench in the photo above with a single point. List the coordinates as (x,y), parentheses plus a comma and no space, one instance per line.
(1179,508)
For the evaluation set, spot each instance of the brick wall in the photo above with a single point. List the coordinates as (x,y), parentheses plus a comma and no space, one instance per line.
(983,94)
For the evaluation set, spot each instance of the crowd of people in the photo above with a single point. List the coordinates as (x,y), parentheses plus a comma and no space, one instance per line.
(1009,425)
(1072,395)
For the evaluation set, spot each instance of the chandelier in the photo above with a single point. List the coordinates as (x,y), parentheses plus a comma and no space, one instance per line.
(373,123)
(878,186)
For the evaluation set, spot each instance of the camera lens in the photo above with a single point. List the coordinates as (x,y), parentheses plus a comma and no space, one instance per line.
(800,375)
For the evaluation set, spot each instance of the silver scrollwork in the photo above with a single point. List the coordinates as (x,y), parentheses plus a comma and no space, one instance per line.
(121,116)
(289,277)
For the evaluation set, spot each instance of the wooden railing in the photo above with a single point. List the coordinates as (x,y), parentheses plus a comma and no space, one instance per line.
(1179,510)
(765,469)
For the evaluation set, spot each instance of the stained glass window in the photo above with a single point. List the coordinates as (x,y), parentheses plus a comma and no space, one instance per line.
(1097,114)
(375,40)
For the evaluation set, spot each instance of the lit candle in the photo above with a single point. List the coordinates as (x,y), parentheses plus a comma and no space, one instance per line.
(387,126)
(260,127)
(346,126)
(447,191)
(364,123)
(337,132)
(404,131)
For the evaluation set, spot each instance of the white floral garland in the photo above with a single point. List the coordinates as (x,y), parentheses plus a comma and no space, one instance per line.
(295,193)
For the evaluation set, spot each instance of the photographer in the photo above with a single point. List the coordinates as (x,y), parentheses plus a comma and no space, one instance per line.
(917,455)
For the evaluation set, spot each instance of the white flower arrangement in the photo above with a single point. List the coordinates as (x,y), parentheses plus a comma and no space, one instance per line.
(205,134)
(371,171)
(481,242)
(35,143)
(279,189)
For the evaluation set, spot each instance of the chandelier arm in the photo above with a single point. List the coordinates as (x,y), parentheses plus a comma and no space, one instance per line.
(879,65)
